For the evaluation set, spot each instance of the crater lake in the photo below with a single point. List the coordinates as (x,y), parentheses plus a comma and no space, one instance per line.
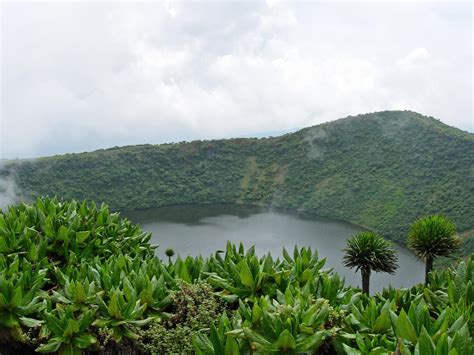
(203,229)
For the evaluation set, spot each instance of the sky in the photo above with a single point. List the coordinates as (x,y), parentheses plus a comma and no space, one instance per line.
(82,76)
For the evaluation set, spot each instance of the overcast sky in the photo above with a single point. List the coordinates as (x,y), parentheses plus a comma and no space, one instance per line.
(82,76)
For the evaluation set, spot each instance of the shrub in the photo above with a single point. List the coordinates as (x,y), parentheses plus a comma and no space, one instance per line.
(194,308)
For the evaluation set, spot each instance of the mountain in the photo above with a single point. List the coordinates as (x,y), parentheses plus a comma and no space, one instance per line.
(380,170)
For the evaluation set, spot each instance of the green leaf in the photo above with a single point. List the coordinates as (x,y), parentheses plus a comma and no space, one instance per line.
(383,322)
(255,337)
(361,343)
(244,311)
(236,333)
(312,342)
(69,349)
(452,294)
(425,344)
(80,293)
(469,298)
(229,298)
(82,236)
(462,341)
(379,350)
(231,347)
(63,233)
(245,275)
(128,290)
(17,297)
(287,256)
(256,313)
(71,328)
(216,340)
(59,298)
(3,245)
(456,325)
(48,227)
(404,328)
(30,322)
(142,322)
(84,341)
(442,345)
(101,323)
(114,308)
(50,347)
(54,325)
(402,348)
(3,301)
(202,344)
(350,351)
(285,341)
(8,320)
(319,317)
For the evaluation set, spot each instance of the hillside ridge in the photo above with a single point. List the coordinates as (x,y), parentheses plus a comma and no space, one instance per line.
(428,120)
(380,170)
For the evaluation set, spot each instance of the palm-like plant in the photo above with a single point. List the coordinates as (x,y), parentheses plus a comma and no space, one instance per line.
(169,253)
(369,252)
(432,236)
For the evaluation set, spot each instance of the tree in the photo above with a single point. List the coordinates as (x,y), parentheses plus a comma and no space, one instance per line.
(169,253)
(432,236)
(369,252)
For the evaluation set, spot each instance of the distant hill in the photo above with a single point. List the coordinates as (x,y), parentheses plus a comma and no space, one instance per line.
(381,170)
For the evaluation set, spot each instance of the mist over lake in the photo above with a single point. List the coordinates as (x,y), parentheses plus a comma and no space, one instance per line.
(203,229)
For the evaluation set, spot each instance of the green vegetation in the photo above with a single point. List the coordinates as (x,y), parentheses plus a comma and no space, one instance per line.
(432,236)
(194,308)
(381,170)
(75,277)
(369,252)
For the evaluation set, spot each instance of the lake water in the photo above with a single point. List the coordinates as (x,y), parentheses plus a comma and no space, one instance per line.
(203,229)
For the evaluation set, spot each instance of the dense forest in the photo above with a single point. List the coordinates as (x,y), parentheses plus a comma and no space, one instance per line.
(76,279)
(380,170)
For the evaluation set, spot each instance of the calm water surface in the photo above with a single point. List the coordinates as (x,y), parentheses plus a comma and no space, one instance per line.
(203,229)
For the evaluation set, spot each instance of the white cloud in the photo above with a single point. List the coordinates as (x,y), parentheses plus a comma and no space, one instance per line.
(83,76)
(416,57)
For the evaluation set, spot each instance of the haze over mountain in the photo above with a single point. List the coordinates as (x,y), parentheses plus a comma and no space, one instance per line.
(381,170)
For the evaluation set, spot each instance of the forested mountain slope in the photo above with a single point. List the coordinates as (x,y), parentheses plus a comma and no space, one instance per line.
(381,170)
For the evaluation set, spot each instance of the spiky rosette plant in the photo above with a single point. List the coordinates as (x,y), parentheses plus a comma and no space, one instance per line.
(169,253)
(369,252)
(432,236)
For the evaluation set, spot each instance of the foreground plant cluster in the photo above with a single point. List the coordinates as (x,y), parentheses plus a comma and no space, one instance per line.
(75,278)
